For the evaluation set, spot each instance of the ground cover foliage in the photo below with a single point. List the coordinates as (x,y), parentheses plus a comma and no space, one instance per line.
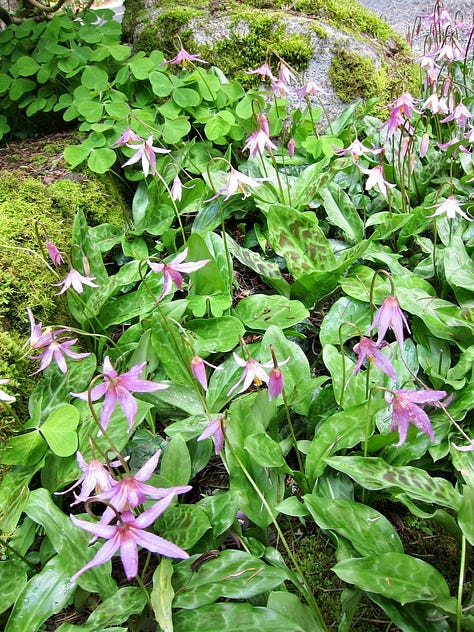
(276,349)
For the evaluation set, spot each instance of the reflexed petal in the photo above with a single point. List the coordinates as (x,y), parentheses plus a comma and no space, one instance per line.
(150,515)
(104,554)
(129,554)
(154,543)
(148,468)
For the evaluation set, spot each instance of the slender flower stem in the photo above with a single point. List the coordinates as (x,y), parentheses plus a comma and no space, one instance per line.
(293,437)
(304,589)
(462,565)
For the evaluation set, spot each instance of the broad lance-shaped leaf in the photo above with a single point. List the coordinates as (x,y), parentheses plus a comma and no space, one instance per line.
(375,473)
(260,311)
(297,237)
(368,530)
(233,574)
(162,594)
(396,575)
(12,579)
(118,607)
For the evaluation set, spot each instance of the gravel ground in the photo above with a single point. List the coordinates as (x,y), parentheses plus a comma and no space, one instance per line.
(401,15)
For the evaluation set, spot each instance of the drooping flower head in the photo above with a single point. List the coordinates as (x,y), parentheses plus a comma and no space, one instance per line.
(146,152)
(76,280)
(275,379)
(215,430)
(264,71)
(172,271)
(377,179)
(405,410)
(126,138)
(237,182)
(127,534)
(367,349)
(198,367)
(53,252)
(56,350)
(389,315)
(95,477)
(259,140)
(450,207)
(253,372)
(119,388)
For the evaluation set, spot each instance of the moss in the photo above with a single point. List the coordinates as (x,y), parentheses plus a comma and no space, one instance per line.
(15,366)
(354,75)
(164,32)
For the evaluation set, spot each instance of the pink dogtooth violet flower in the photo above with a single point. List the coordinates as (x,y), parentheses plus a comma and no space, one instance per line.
(310,88)
(460,114)
(264,71)
(389,315)
(119,388)
(127,137)
(145,151)
(356,149)
(39,337)
(5,397)
(286,75)
(53,253)
(172,271)
(95,477)
(405,410)
(199,370)
(215,430)
(56,350)
(176,189)
(376,179)
(367,349)
(275,379)
(291,147)
(424,145)
(237,182)
(450,207)
(259,140)
(76,280)
(437,105)
(131,490)
(127,535)
(183,58)
(253,372)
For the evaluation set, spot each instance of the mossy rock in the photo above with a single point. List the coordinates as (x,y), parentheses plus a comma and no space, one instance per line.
(340,44)
(38,194)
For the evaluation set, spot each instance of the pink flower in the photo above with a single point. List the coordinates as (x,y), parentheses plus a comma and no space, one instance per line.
(376,178)
(260,139)
(460,114)
(76,280)
(390,315)
(127,137)
(145,151)
(199,370)
(253,371)
(436,104)
(127,534)
(172,270)
(425,143)
(116,388)
(291,147)
(367,349)
(39,338)
(132,490)
(309,88)
(275,383)
(285,75)
(183,58)
(237,183)
(450,207)
(95,477)
(176,189)
(264,71)
(356,149)
(56,350)
(54,253)
(214,429)
(5,397)
(405,410)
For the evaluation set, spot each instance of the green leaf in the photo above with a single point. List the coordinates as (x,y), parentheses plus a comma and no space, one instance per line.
(466,513)
(160,84)
(458,265)
(46,593)
(101,160)
(221,509)
(416,617)
(165,340)
(59,430)
(176,462)
(259,264)
(92,111)
(260,311)
(95,78)
(212,335)
(369,532)
(375,473)
(25,66)
(70,542)
(265,451)
(183,524)
(341,211)
(14,493)
(162,594)
(24,449)
(13,577)
(344,429)
(175,130)
(290,606)
(75,154)
(234,617)
(217,127)
(19,87)
(233,575)
(394,575)
(186,97)
(344,310)
(297,237)
(118,607)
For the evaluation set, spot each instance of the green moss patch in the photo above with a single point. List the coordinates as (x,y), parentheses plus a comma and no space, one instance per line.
(354,75)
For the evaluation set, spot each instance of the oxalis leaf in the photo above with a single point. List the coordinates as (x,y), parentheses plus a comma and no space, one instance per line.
(59,430)
(395,575)
(375,473)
